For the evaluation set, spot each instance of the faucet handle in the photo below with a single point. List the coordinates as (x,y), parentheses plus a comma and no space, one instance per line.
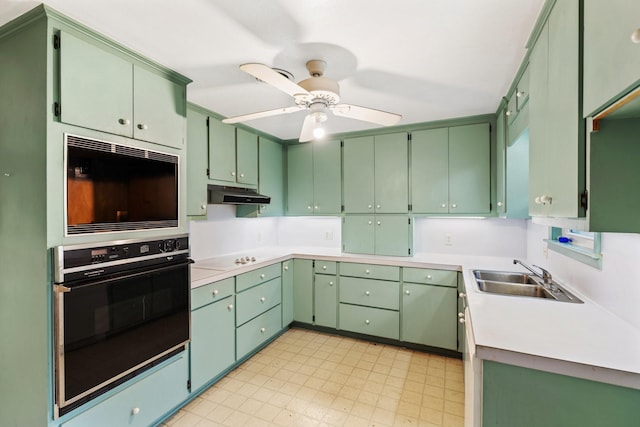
(545,273)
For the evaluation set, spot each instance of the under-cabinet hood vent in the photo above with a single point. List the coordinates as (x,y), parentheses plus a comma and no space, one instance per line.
(219,194)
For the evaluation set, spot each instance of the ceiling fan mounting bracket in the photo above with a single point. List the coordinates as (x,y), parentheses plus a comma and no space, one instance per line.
(316,67)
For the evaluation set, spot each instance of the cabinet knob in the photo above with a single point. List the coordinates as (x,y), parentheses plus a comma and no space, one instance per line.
(499,204)
(330,283)
(378,206)
(230,307)
(263,299)
(544,199)
(462,295)
(135,411)
(203,206)
(370,222)
(262,276)
(142,126)
(366,322)
(367,272)
(124,121)
(407,292)
(315,207)
(378,223)
(324,267)
(370,206)
(263,330)
(453,205)
(508,113)
(460,314)
(635,36)
(215,292)
(286,268)
(429,277)
(233,173)
(444,205)
(367,293)
(461,320)
(241,175)
(309,207)
(520,94)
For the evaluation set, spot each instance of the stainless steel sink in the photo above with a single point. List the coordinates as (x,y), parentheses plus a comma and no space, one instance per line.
(521,284)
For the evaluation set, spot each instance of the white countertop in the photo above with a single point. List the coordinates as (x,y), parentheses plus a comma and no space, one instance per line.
(582,340)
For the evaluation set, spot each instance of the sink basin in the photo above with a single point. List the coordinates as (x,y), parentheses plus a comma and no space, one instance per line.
(521,284)
(504,276)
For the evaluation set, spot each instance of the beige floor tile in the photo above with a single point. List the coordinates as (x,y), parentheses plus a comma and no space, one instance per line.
(363,410)
(454,396)
(454,408)
(201,407)
(268,412)
(187,420)
(383,417)
(355,421)
(220,414)
(450,420)
(431,415)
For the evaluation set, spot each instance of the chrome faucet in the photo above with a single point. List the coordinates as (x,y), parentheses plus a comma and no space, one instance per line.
(545,276)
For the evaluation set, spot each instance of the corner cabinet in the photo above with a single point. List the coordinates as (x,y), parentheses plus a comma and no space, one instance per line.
(104,90)
(314,179)
(451,170)
(557,176)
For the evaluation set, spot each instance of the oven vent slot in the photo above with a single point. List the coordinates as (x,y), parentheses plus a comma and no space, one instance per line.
(119,226)
(110,147)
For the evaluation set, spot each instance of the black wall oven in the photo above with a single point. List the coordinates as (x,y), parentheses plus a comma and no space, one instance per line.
(120,308)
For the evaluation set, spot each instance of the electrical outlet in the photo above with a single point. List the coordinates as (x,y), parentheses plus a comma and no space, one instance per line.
(328,235)
(448,240)
(545,251)
(259,237)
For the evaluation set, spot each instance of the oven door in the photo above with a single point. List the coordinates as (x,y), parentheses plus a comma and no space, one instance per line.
(110,329)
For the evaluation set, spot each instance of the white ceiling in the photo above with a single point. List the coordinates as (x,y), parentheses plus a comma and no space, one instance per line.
(424,59)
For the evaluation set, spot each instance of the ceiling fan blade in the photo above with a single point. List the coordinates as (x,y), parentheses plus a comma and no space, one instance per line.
(366,114)
(261,114)
(274,78)
(306,134)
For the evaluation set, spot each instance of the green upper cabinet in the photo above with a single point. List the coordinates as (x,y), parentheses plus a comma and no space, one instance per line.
(104,91)
(557,131)
(233,155)
(385,234)
(611,59)
(451,170)
(375,170)
(313,178)
(197,140)
(501,162)
(270,180)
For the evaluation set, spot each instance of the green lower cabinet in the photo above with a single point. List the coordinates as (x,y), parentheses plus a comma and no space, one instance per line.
(370,321)
(213,341)
(143,403)
(303,290)
(257,331)
(287,292)
(516,396)
(258,299)
(429,315)
(326,300)
(377,234)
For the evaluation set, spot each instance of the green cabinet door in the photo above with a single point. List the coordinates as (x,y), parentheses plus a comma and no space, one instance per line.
(358,234)
(95,87)
(430,171)
(287,292)
(326,300)
(159,109)
(246,158)
(327,180)
(391,176)
(501,163)
(222,151)
(470,169)
(429,315)
(303,290)
(212,347)
(358,175)
(197,140)
(392,235)
(611,59)
(300,179)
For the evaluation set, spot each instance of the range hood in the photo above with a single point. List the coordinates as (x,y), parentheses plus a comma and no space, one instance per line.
(219,194)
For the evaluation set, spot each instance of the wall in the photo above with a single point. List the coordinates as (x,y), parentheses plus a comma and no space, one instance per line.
(616,287)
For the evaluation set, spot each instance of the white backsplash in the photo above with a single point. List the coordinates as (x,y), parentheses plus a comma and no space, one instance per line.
(616,287)
(470,236)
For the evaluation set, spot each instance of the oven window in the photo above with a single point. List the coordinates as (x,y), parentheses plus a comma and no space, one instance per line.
(114,326)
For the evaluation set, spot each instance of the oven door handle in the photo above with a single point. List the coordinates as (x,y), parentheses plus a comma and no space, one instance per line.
(98,281)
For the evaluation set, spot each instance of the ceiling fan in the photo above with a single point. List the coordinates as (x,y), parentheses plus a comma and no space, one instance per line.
(318,94)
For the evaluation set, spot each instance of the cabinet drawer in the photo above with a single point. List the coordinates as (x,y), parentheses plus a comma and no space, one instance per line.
(326,267)
(370,271)
(430,276)
(370,321)
(257,331)
(372,293)
(257,300)
(255,277)
(212,292)
(143,402)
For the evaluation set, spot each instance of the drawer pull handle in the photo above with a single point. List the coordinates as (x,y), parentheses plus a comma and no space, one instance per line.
(135,411)
(367,293)
(262,276)
(230,307)
(429,277)
(215,292)
(263,330)
(366,322)
(324,267)
(367,272)
(407,292)
(263,299)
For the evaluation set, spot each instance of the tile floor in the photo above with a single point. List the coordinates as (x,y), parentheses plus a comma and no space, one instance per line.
(308,378)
